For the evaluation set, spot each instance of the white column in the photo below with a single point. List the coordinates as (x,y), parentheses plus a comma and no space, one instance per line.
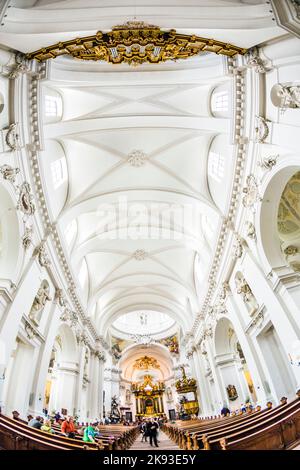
(249,349)
(202,392)
(279,316)
(67,375)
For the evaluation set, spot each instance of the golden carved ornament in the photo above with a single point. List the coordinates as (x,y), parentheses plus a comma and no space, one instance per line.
(135,43)
(146,362)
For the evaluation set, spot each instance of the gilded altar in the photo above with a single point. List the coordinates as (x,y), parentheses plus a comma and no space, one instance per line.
(148,397)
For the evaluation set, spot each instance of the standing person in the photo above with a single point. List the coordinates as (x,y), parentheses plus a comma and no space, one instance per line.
(68,428)
(153,432)
(144,431)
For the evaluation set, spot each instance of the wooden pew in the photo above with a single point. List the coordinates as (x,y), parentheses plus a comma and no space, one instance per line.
(275,431)
(15,434)
(234,432)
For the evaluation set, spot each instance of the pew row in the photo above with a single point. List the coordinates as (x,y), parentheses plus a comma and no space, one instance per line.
(270,429)
(17,435)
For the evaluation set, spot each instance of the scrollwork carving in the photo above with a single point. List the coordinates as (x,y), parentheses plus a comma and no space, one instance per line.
(261,129)
(9,173)
(251,192)
(25,201)
(12,137)
(27,237)
(42,255)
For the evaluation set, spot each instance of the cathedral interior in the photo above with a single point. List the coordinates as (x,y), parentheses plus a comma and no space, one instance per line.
(150,222)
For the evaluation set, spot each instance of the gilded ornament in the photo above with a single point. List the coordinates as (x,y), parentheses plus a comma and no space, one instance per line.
(135,43)
(146,362)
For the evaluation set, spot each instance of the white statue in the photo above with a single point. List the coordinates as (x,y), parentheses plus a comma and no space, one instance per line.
(39,302)
(244,290)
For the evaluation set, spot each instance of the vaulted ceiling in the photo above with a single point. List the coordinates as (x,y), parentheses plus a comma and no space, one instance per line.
(136,151)
(136,143)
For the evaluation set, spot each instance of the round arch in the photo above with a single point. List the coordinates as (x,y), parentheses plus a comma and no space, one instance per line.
(268,241)
(110,316)
(156,351)
(222,339)
(68,344)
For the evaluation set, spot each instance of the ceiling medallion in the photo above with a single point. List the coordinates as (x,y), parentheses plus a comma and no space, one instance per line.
(135,43)
(136,158)
(140,255)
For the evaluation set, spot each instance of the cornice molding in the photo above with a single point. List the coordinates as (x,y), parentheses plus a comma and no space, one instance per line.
(33,149)
(227,222)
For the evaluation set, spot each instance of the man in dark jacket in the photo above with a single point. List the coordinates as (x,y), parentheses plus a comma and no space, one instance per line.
(153,432)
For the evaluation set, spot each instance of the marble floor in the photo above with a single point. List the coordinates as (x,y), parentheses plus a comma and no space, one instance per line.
(164,443)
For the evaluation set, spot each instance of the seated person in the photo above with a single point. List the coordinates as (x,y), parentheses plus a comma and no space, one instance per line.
(68,427)
(269,405)
(16,415)
(283,400)
(89,433)
(258,408)
(243,408)
(46,427)
(225,411)
(36,422)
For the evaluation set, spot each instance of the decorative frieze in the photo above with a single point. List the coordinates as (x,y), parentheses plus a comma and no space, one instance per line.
(142,339)
(241,145)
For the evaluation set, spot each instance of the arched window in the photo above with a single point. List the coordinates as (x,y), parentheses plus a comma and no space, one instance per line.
(52,105)
(70,231)
(216,165)
(220,101)
(59,172)
(220,170)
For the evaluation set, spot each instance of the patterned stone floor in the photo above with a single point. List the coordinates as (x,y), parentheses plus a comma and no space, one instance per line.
(164,443)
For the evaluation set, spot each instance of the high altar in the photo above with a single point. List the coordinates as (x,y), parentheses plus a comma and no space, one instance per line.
(148,397)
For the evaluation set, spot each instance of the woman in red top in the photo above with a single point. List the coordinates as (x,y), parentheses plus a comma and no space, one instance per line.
(68,428)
